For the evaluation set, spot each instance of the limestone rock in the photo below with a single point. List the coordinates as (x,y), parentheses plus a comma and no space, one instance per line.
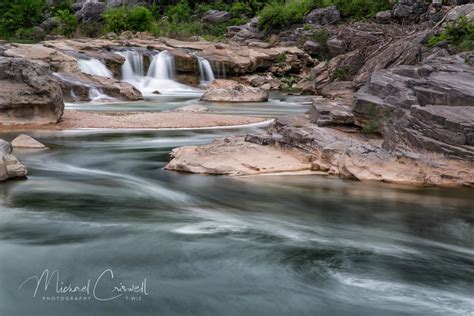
(216,16)
(323,16)
(91,12)
(234,156)
(383,17)
(324,112)
(409,10)
(28,93)
(232,91)
(25,141)
(428,107)
(457,12)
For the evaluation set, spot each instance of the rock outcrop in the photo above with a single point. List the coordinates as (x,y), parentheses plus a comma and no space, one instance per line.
(232,91)
(28,93)
(234,156)
(329,151)
(427,107)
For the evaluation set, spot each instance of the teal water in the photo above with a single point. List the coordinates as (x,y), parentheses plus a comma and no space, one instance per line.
(99,202)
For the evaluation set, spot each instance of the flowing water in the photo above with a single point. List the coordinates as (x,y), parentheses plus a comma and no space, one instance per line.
(205,71)
(94,67)
(100,212)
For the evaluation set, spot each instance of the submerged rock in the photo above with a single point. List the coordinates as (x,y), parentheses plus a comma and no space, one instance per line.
(232,91)
(28,93)
(193,108)
(25,141)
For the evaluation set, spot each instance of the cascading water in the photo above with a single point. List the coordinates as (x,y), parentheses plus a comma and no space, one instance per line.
(94,67)
(162,66)
(205,71)
(96,95)
(159,77)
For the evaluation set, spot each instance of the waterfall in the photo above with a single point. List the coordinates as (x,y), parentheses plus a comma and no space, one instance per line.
(133,65)
(162,66)
(94,67)
(96,95)
(205,71)
(159,78)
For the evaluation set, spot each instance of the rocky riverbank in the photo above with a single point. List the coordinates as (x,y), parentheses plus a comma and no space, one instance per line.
(424,116)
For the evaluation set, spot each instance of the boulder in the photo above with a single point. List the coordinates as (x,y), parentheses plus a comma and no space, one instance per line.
(457,12)
(11,168)
(91,12)
(25,141)
(5,147)
(312,48)
(28,93)
(383,17)
(232,91)
(409,10)
(216,16)
(428,107)
(336,47)
(323,16)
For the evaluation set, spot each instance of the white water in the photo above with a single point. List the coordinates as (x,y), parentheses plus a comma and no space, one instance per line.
(94,67)
(205,71)
(162,66)
(159,78)
(96,95)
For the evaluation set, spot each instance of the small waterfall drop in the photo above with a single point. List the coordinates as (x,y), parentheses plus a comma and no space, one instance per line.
(162,66)
(159,78)
(205,71)
(94,67)
(96,95)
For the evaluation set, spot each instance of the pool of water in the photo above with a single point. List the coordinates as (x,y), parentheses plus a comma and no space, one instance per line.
(100,211)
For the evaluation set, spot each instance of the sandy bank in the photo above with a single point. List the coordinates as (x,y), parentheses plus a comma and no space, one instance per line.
(81,119)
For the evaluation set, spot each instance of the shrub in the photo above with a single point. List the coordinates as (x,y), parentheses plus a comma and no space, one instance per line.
(139,19)
(20,14)
(361,9)
(67,22)
(277,15)
(460,35)
(116,19)
(181,12)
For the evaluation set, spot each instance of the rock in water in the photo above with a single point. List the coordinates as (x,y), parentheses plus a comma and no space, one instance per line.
(10,167)
(232,91)
(25,141)
(28,93)
(193,108)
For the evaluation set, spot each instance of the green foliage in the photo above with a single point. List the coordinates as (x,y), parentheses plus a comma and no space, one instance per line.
(281,59)
(20,14)
(63,5)
(28,35)
(279,14)
(460,35)
(67,22)
(179,13)
(360,9)
(137,19)
(373,124)
(340,74)
(116,19)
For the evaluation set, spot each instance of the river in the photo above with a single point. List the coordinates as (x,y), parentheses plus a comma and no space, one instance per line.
(98,211)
